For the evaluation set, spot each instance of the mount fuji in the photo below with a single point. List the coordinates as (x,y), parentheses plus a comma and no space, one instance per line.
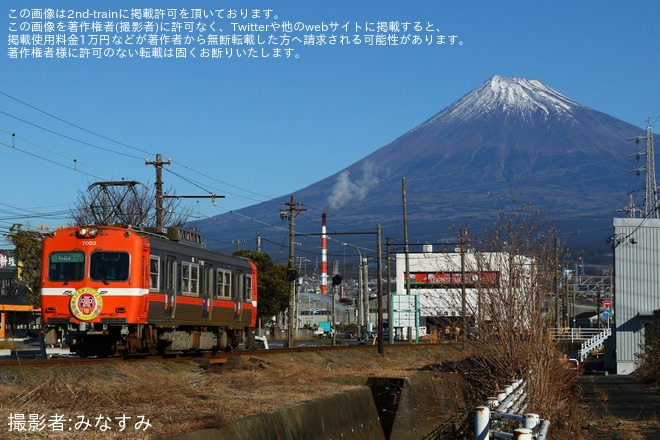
(510,140)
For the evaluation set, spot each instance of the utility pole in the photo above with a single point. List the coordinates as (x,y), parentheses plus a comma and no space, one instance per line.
(359,301)
(556,292)
(463,299)
(405,247)
(238,243)
(381,348)
(290,214)
(389,288)
(158,163)
(333,327)
(365,295)
(405,234)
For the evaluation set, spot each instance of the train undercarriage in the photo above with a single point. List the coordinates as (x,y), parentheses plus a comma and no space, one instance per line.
(96,340)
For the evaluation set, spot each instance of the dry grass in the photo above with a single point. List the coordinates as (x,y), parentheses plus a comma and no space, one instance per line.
(597,426)
(178,397)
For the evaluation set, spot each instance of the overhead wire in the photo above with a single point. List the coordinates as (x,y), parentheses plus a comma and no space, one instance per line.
(77,163)
(48,160)
(114,151)
(71,124)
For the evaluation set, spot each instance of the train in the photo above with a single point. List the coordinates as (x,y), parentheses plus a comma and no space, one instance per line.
(111,290)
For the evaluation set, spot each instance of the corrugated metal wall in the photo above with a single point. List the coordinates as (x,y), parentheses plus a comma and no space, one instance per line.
(637,285)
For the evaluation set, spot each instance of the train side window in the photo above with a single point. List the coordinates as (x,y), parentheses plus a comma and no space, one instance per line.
(154,273)
(109,266)
(248,288)
(66,266)
(189,278)
(223,286)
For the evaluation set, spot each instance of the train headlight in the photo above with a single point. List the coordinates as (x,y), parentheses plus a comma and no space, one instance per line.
(88,232)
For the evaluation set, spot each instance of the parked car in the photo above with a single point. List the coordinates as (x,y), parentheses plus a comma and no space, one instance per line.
(324,330)
(574,364)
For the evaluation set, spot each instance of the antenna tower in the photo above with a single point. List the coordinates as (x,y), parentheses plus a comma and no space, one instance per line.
(650,187)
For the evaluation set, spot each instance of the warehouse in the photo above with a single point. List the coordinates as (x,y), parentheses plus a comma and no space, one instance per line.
(636,244)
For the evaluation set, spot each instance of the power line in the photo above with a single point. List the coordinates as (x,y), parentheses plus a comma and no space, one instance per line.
(106,138)
(71,124)
(48,160)
(75,163)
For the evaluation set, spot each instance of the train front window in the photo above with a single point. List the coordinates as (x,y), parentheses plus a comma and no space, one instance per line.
(109,266)
(66,266)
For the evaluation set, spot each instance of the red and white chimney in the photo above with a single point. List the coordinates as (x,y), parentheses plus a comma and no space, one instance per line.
(324,257)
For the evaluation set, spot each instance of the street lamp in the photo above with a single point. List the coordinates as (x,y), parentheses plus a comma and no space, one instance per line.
(361,296)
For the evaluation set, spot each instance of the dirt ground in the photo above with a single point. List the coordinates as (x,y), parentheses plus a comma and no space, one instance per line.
(621,407)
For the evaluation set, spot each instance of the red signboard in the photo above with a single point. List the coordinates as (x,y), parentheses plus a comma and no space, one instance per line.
(607,303)
(453,278)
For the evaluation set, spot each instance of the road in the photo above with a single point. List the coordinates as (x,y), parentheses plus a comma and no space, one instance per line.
(624,398)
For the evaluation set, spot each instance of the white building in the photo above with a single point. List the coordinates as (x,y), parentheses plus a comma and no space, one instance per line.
(437,279)
(636,244)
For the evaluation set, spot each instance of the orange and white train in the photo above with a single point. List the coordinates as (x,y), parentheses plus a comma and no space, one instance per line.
(110,290)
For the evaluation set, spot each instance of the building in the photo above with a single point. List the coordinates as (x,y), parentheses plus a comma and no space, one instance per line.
(314,308)
(636,244)
(17,316)
(448,283)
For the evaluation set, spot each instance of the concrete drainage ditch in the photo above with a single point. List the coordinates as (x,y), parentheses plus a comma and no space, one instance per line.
(415,407)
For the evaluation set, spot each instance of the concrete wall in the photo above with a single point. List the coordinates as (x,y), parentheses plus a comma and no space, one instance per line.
(347,415)
(387,409)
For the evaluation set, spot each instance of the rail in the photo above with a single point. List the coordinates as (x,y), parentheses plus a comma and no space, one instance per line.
(504,407)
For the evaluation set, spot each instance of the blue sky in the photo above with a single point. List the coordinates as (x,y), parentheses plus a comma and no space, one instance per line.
(254,129)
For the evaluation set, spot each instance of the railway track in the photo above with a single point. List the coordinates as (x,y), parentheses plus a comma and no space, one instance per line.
(204,359)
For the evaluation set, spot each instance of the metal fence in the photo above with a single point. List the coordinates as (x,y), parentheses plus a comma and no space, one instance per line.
(590,338)
(505,407)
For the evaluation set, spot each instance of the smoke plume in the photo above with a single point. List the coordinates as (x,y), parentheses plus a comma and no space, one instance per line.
(346,191)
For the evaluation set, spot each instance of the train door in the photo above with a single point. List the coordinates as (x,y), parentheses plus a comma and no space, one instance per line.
(151,275)
(171,277)
(239,292)
(208,287)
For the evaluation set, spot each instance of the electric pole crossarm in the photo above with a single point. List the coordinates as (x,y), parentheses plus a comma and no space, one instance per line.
(158,163)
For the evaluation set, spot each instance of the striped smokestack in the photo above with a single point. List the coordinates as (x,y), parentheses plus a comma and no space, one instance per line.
(324,258)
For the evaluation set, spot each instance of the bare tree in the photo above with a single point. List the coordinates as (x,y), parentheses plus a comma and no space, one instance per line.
(126,203)
(507,293)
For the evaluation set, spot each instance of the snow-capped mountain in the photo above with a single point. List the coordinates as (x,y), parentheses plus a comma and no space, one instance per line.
(527,99)
(508,140)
